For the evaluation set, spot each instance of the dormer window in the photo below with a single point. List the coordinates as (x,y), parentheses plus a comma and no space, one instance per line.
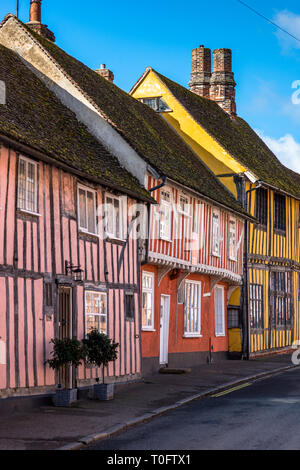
(157,104)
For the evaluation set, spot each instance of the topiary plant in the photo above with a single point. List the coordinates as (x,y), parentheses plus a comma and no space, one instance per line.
(67,351)
(99,349)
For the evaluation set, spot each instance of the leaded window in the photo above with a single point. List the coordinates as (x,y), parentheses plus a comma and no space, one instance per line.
(256,306)
(281,299)
(27,185)
(147,301)
(96,311)
(279,212)
(157,104)
(261,206)
(87,209)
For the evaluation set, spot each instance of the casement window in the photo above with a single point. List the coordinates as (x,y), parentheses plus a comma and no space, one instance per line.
(281,299)
(256,306)
(279,212)
(147,301)
(27,185)
(48,294)
(215,239)
(87,209)
(192,310)
(232,240)
(129,306)
(96,311)
(261,206)
(165,215)
(156,103)
(219,311)
(184,205)
(114,217)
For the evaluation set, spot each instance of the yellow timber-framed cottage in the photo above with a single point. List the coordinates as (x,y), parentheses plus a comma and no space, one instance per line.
(263,316)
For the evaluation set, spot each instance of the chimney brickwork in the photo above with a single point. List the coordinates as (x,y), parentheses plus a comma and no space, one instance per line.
(201,71)
(105,73)
(218,84)
(35,20)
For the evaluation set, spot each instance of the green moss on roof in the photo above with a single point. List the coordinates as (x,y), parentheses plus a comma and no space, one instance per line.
(237,138)
(145,131)
(35,117)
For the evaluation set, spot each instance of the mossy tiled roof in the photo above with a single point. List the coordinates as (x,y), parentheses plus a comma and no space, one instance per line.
(237,138)
(33,116)
(145,131)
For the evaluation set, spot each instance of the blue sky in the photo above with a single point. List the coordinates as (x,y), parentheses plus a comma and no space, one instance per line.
(129,36)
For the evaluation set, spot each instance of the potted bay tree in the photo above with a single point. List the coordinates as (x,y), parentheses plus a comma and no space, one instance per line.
(100,351)
(67,353)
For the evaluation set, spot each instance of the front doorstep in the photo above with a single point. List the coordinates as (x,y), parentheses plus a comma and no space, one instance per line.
(103,391)
(65,397)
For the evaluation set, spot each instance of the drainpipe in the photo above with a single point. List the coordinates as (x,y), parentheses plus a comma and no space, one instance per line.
(164,180)
(245,319)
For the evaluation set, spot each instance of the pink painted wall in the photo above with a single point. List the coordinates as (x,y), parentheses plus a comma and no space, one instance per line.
(32,245)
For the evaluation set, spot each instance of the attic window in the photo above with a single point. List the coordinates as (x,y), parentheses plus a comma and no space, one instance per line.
(157,104)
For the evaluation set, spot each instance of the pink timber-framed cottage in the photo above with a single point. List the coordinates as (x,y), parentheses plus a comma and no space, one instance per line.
(60,276)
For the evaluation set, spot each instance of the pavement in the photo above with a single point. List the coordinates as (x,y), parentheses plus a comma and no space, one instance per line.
(51,428)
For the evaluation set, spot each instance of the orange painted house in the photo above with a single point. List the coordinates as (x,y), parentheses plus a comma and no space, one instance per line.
(195,262)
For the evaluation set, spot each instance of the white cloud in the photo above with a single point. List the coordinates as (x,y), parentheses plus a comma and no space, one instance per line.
(286,149)
(291,23)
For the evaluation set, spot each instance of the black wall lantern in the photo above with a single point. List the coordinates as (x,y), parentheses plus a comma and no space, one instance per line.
(75,271)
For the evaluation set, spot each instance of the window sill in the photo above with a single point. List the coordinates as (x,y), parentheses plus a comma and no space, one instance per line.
(232,259)
(192,335)
(115,241)
(220,335)
(88,235)
(165,239)
(148,329)
(216,255)
(278,231)
(26,212)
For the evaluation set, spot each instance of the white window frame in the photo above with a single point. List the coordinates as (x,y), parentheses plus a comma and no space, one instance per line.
(168,206)
(100,293)
(120,199)
(193,334)
(151,291)
(232,258)
(92,191)
(35,164)
(181,211)
(213,235)
(220,333)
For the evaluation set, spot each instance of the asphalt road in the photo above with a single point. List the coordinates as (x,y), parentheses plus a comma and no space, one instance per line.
(264,415)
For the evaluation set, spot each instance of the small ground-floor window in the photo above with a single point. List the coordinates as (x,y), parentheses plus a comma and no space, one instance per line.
(96,311)
(256,306)
(192,311)
(281,299)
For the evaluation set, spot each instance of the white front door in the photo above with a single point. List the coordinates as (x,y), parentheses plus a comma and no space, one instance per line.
(164,328)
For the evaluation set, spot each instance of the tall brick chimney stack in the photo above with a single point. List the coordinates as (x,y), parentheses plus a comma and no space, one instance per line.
(222,84)
(105,73)
(35,20)
(201,71)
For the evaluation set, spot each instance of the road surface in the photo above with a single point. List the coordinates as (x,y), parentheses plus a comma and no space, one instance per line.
(263,415)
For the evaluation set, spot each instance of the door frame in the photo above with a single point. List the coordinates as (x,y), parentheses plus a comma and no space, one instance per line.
(163,335)
(65,376)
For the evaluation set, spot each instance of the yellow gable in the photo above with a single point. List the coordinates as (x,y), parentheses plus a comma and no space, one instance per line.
(208,150)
